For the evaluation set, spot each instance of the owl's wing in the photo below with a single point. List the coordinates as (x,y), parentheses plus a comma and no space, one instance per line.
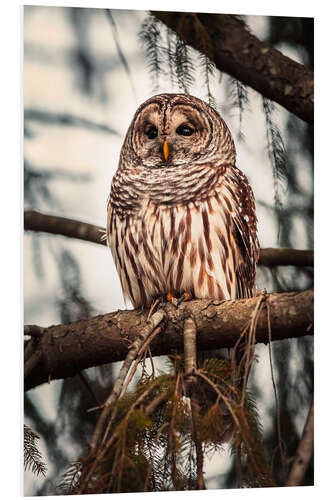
(244,232)
(108,223)
(245,266)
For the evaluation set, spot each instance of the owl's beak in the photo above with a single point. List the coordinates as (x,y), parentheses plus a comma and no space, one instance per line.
(165,150)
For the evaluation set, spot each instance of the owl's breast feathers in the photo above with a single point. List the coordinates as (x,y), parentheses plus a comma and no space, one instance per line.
(175,232)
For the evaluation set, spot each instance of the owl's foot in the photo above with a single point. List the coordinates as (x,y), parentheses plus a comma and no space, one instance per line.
(178,300)
(184,298)
(169,297)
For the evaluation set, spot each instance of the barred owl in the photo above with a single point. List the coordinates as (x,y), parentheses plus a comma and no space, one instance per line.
(181,215)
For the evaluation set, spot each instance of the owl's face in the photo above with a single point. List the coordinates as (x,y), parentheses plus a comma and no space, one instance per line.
(174,129)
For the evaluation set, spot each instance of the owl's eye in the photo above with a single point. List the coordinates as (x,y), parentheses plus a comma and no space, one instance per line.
(184,130)
(151,132)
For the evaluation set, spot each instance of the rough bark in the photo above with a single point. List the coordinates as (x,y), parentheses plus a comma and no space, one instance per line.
(68,349)
(234,50)
(36,221)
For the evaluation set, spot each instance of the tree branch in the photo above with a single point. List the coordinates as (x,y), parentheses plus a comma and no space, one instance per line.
(53,118)
(36,221)
(150,326)
(272,257)
(68,349)
(234,50)
(304,452)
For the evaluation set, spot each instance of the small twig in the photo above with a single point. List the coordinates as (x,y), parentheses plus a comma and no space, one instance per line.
(152,323)
(190,345)
(153,307)
(229,405)
(155,403)
(89,388)
(190,352)
(198,448)
(155,332)
(151,362)
(190,355)
(251,344)
(277,403)
(238,464)
(149,472)
(225,400)
(119,50)
(172,434)
(99,455)
(304,452)
(138,359)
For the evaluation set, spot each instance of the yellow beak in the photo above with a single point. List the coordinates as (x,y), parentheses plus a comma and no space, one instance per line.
(165,150)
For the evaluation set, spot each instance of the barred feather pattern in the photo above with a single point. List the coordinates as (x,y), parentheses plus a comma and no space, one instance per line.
(187,224)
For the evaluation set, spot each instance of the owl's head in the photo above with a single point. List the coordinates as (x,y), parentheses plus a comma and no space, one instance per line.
(169,130)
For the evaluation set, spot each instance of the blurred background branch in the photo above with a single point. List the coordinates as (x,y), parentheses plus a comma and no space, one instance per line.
(36,221)
(304,452)
(67,119)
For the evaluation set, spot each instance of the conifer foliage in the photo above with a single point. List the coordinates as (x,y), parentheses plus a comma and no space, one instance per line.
(33,459)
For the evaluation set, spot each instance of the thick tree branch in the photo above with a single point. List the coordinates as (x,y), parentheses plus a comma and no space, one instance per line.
(68,349)
(36,221)
(234,50)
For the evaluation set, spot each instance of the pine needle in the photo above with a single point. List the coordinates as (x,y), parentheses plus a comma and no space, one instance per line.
(277,156)
(32,457)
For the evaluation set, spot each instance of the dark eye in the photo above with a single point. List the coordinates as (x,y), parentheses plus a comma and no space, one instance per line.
(151,132)
(184,130)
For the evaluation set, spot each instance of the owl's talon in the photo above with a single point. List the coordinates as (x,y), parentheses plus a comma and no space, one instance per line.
(183,298)
(170,297)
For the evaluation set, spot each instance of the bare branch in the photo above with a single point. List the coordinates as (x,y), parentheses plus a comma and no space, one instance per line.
(272,257)
(190,352)
(237,52)
(147,330)
(304,452)
(36,221)
(68,349)
(190,345)
(53,118)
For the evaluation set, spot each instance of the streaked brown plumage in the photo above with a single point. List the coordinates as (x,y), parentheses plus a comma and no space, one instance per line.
(181,215)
